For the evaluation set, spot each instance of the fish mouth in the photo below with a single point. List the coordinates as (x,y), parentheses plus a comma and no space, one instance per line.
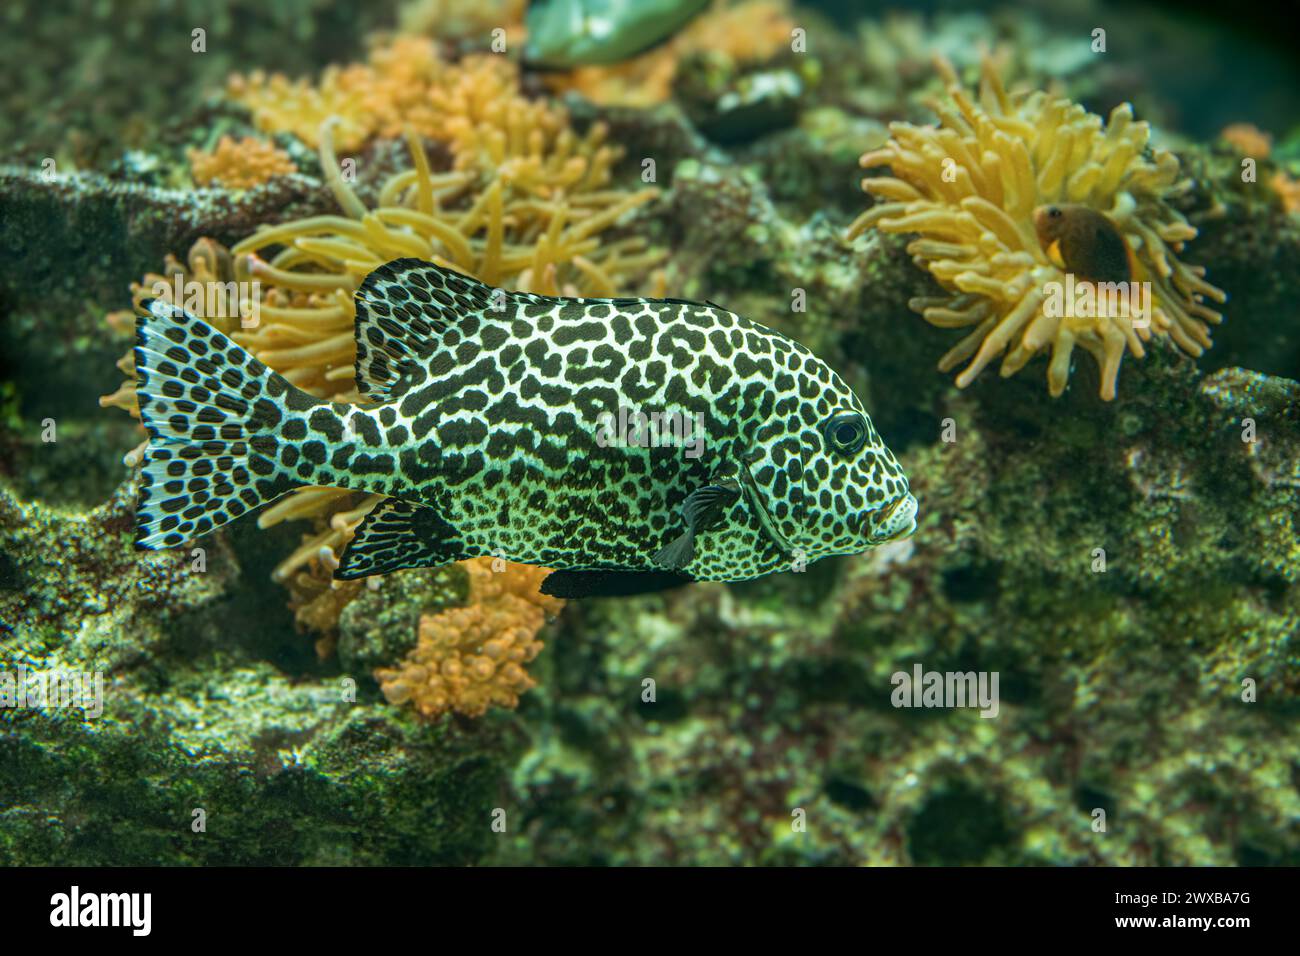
(894,521)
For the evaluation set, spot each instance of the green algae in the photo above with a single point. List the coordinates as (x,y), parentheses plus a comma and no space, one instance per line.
(289,768)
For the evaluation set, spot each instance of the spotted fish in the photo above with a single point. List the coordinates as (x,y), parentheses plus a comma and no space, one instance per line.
(494,425)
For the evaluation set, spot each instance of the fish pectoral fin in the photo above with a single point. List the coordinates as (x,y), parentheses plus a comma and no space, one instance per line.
(677,553)
(581,584)
(704,506)
(702,509)
(400,534)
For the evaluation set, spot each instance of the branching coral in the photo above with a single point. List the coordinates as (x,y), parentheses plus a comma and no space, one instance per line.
(1248,140)
(1287,189)
(471,658)
(969,187)
(240,164)
(748,32)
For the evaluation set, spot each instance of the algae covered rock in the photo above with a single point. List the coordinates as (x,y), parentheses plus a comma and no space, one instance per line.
(379,627)
(240,766)
(1129,573)
(75,587)
(188,745)
(731,107)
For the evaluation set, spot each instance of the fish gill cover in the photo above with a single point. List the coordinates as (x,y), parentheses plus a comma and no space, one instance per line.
(917,621)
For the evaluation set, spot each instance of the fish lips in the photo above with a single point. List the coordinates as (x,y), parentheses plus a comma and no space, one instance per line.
(893,521)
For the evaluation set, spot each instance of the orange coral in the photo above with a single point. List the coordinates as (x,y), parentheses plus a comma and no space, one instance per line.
(1248,139)
(240,164)
(471,658)
(392,89)
(1287,189)
(747,32)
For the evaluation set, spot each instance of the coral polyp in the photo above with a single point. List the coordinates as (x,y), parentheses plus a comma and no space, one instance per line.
(471,658)
(407,378)
(239,164)
(969,188)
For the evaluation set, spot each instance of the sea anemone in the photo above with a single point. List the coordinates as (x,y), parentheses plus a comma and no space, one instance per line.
(970,187)
(473,657)
(529,221)
(524,207)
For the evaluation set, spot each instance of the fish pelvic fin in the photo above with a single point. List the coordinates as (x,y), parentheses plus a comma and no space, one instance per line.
(403,309)
(677,553)
(397,535)
(211,410)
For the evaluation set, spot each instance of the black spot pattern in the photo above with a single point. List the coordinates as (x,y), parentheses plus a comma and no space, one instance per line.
(501,428)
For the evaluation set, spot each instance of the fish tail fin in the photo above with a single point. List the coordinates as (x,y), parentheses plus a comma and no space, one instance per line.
(211,410)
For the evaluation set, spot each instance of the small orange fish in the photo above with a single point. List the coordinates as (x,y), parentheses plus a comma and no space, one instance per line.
(1084,242)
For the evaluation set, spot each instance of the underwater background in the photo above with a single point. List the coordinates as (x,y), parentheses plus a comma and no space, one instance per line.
(1108,512)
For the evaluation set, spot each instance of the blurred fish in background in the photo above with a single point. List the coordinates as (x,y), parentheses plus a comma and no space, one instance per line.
(566,33)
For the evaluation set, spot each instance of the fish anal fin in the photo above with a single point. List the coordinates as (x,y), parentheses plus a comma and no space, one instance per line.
(396,535)
(581,584)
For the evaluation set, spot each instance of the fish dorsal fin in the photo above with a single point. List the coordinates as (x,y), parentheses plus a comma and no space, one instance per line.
(403,309)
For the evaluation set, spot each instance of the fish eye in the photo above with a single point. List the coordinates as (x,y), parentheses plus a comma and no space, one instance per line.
(846,433)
